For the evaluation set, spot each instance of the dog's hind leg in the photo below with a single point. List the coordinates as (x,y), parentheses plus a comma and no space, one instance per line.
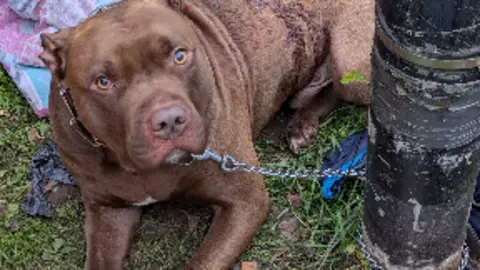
(321,78)
(314,102)
(304,125)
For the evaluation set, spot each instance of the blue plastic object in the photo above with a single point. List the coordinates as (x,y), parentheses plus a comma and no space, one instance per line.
(350,155)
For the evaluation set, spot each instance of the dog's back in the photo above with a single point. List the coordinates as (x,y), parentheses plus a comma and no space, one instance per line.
(284,42)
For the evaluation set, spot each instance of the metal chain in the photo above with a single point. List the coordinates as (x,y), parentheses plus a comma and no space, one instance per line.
(230,164)
(376,266)
(372,262)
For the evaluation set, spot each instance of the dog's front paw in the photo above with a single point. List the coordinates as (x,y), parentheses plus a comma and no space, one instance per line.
(302,131)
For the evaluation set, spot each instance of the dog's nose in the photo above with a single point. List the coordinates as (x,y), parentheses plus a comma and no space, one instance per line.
(169,123)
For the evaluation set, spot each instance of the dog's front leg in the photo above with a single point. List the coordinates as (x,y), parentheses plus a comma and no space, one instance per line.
(109,232)
(239,212)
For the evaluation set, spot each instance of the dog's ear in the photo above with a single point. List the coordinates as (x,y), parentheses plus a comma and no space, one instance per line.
(55,48)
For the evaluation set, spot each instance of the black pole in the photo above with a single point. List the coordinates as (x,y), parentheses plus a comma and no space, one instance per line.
(424,130)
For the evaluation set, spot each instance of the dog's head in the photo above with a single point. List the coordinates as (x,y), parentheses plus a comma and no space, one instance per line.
(139,79)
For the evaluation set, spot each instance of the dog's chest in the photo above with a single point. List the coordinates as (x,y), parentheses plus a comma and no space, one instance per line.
(136,190)
(158,186)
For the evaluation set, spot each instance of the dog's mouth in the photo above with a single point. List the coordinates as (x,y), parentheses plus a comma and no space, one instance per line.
(177,157)
(164,144)
(152,154)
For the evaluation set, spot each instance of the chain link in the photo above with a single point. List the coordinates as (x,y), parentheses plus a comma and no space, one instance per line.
(376,266)
(465,257)
(373,264)
(230,164)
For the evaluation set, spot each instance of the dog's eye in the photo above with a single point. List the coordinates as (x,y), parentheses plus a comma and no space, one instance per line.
(103,82)
(180,56)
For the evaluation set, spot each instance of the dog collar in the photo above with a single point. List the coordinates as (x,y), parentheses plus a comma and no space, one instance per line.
(74,122)
(67,98)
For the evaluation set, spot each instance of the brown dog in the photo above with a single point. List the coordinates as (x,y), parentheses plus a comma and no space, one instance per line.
(153,81)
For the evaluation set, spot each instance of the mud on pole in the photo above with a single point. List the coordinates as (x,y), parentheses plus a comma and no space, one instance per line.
(424,132)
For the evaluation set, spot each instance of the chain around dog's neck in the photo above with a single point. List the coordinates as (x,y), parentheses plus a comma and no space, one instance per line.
(75,123)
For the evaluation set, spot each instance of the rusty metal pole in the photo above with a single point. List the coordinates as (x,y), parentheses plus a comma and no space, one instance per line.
(424,129)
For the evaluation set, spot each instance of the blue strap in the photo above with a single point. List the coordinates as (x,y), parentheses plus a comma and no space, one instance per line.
(331,185)
(350,155)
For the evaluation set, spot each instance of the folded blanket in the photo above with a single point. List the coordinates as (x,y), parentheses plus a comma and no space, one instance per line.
(21,23)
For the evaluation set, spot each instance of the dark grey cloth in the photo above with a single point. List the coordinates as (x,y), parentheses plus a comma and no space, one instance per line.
(46,165)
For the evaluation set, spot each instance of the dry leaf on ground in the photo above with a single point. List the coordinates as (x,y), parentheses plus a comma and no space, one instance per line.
(288,227)
(294,198)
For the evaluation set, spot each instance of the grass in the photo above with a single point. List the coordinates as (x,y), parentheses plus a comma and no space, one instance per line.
(170,232)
